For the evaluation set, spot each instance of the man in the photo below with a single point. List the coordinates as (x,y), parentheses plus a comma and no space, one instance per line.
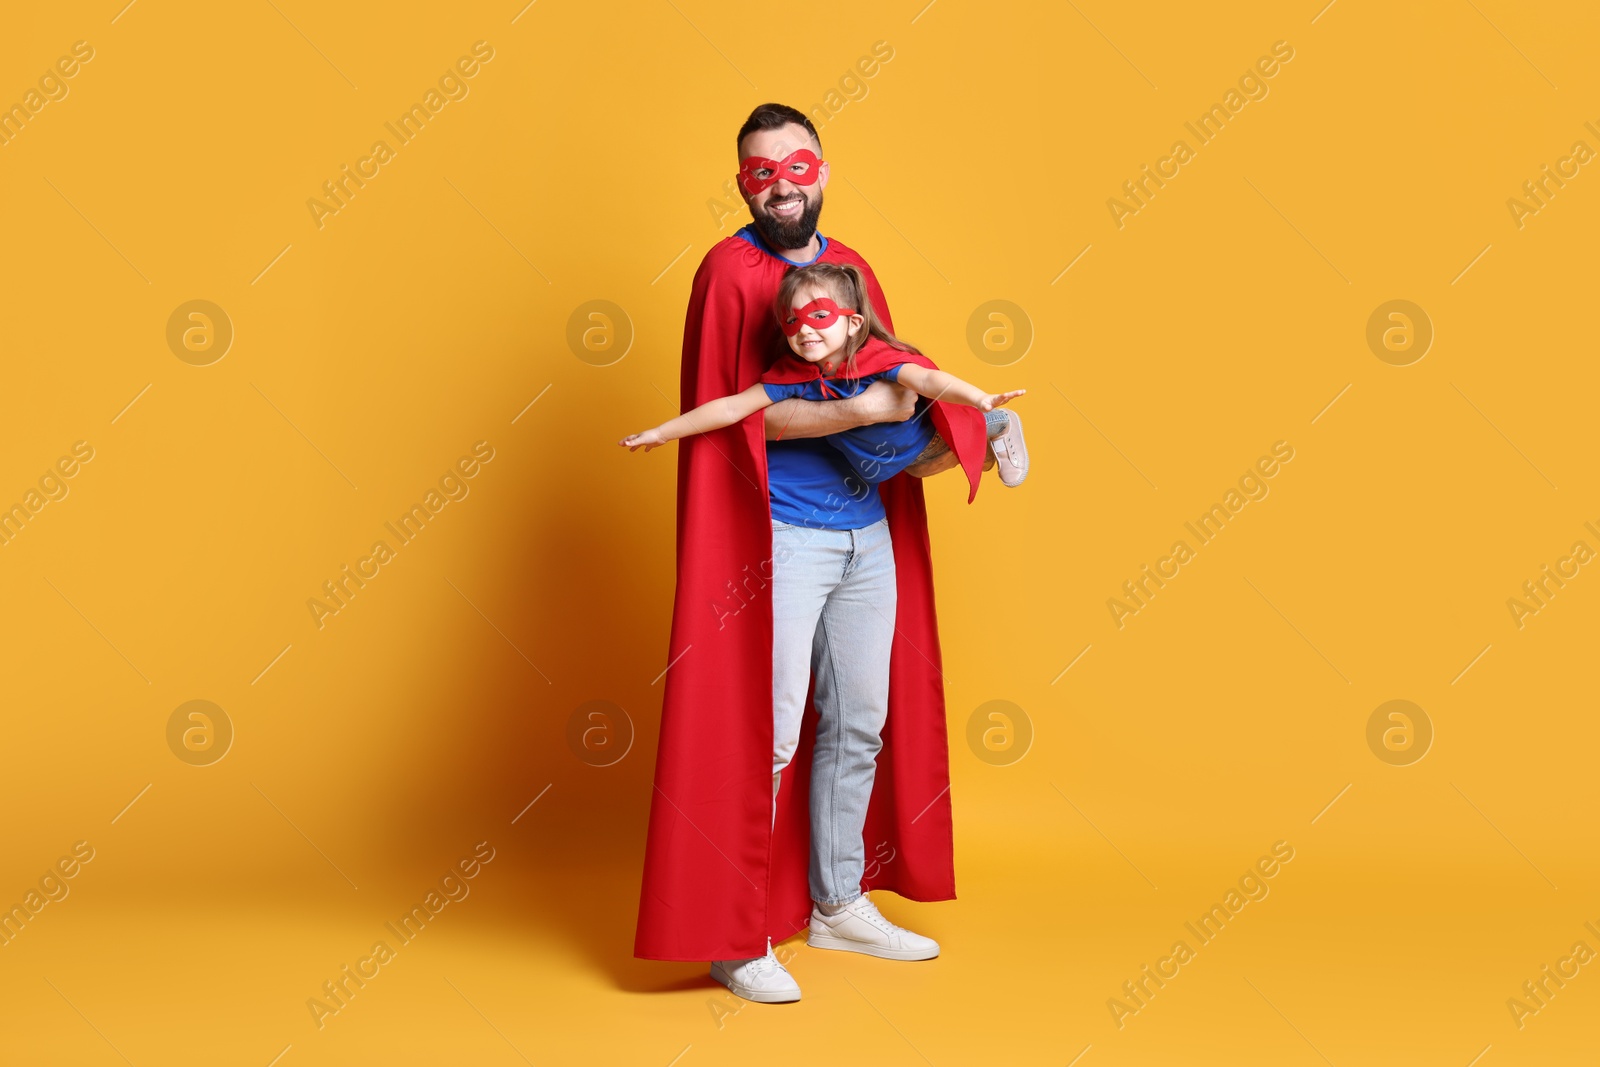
(716,886)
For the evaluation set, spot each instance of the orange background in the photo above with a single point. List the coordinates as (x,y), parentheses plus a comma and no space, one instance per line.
(434,710)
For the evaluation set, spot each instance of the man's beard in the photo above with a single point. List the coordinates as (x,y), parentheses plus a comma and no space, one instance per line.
(790,233)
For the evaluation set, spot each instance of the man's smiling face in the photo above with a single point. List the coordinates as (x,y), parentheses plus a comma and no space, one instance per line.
(785,213)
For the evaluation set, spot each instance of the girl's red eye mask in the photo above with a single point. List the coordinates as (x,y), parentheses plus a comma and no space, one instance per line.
(804,316)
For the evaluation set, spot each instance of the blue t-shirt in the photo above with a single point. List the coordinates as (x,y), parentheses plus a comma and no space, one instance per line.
(810,484)
(879,450)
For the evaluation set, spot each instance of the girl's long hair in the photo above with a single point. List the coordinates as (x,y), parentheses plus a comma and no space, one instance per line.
(848,287)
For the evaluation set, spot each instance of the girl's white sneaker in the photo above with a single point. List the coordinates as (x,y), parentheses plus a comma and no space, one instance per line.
(1011,451)
(762,979)
(860,927)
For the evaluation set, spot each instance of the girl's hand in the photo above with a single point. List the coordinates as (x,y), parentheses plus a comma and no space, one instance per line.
(994,400)
(649,439)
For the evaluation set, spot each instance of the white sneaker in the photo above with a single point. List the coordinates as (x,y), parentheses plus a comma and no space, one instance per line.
(860,927)
(761,979)
(1011,451)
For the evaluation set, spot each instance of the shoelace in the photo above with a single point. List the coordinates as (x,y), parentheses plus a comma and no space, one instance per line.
(869,911)
(762,966)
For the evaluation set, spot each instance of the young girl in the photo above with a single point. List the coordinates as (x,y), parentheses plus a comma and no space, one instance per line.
(839,347)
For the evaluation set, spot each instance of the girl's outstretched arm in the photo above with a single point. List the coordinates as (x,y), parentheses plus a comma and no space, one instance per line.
(939,385)
(712,415)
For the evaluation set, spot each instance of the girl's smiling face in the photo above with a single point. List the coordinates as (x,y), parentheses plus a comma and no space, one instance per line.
(812,341)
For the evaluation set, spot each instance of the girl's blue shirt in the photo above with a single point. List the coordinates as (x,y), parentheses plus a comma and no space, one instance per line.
(878,450)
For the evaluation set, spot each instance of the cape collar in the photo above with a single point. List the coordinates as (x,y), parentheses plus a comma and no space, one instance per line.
(874,357)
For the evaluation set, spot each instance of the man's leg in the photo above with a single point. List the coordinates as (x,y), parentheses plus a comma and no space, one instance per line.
(806,564)
(800,583)
(851,663)
(797,603)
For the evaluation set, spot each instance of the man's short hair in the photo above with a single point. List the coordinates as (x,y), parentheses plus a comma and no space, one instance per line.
(772,117)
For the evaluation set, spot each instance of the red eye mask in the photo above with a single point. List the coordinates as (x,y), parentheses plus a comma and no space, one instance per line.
(802,316)
(753,184)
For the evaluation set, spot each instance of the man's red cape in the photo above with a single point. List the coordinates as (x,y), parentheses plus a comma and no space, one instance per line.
(962,427)
(716,885)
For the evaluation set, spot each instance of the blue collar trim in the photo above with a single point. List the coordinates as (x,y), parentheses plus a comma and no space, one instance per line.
(748,233)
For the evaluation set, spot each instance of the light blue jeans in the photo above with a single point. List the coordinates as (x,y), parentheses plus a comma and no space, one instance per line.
(833,608)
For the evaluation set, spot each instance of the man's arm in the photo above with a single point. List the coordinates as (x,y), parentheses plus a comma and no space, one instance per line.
(882,401)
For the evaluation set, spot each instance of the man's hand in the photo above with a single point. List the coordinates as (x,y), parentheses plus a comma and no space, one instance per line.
(882,401)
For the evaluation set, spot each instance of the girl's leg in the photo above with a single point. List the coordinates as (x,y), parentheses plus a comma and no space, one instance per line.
(850,659)
(806,564)
(924,466)
(995,424)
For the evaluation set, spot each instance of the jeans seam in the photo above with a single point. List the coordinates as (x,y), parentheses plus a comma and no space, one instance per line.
(838,756)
